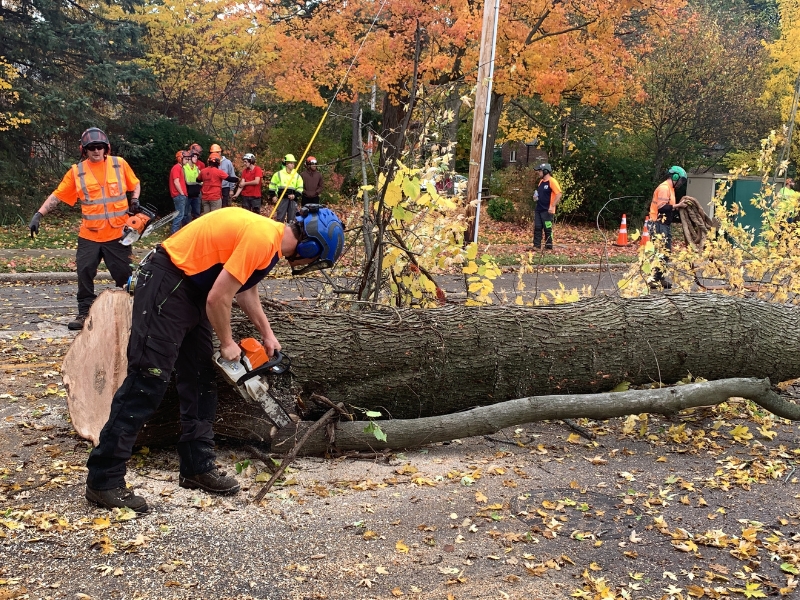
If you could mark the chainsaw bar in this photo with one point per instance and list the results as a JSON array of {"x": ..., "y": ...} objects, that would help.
[
  {"x": 253, "y": 385},
  {"x": 160, "y": 223}
]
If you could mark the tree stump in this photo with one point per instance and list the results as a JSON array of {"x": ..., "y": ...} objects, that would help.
[{"x": 96, "y": 363}]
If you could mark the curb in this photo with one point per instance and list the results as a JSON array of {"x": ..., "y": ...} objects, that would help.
[
  {"x": 49, "y": 276},
  {"x": 580, "y": 267}
]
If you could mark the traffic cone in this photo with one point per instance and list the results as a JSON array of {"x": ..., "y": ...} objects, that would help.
[
  {"x": 622, "y": 236},
  {"x": 645, "y": 233}
]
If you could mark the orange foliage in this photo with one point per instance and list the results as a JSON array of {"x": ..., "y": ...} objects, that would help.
[{"x": 546, "y": 49}]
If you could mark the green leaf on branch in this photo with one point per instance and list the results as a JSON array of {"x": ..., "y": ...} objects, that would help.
[{"x": 375, "y": 430}]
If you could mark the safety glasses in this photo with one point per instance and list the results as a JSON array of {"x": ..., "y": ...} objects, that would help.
[{"x": 317, "y": 265}]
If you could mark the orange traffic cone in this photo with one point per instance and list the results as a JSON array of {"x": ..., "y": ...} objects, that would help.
[
  {"x": 645, "y": 233},
  {"x": 622, "y": 236}
]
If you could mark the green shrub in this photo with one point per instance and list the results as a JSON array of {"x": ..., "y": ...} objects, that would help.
[
  {"x": 150, "y": 149},
  {"x": 573, "y": 194},
  {"x": 500, "y": 209},
  {"x": 607, "y": 172}
]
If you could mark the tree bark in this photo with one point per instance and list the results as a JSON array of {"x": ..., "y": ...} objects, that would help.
[
  {"x": 412, "y": 433},
  {"x": 355, "y": 142},
  {"x": 416, "y": 363},
  {"x": 394, "y": 111},
  {"x": 410, "y": 364}
]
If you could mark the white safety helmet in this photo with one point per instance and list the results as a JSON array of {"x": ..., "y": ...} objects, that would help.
[{"x": 249, "y": 157}]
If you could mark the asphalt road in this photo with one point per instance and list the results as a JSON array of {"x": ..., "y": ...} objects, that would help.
[{"x": 45, "y": 308}]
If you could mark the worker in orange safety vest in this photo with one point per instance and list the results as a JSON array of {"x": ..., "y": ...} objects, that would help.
[
  {"x": 100, "y": 181},
  {"x": 660, "y": 218}
]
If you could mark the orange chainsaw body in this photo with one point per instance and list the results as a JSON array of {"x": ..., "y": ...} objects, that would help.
[
  {"x": 137, "y": 222},
  {"x": 254, "y": 352}
]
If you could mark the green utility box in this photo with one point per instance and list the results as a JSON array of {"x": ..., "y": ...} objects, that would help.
[
  {"x": 742, "y": 192},
  {"x": 703, "y": 186}
]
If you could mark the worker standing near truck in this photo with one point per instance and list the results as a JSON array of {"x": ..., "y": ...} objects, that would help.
[{"x": 183, "y": 295}]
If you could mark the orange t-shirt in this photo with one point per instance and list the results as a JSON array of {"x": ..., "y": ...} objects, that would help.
[
  {"x": 67, "y": 191},
  {"x": 245, "y": 244},
  {"x": 664, "y": 194}
]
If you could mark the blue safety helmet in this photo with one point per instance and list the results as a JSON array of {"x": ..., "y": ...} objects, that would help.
[{"x": 322, "y": 238}]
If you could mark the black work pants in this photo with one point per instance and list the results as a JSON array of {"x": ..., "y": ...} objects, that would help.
[
  {"x": 226, "y": 197},
  {"x": 309, "y": 200},
  {"x": 661, "y": 228},
  {"x": 118, "y": 260},
  {"x": 170, "y": 329},
  {"x": 543, "y": 221}
]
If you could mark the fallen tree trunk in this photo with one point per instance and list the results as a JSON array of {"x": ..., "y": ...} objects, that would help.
[
  {"x": 418, "y": 363},
  {"x": 410, "y": 364},
  {"x": 411, "y": 433}
]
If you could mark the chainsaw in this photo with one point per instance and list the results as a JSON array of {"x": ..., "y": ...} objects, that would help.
[
  {"x": 141, "y": 224},
  {"x": 248, "y": 376}
]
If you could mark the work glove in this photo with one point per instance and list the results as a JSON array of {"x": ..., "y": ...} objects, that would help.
[
  {"x": 134, "y": 207},
  {"x": 34, "y": 225},
  {"x": 550, "y": 218}
]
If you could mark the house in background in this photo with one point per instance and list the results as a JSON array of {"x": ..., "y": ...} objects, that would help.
[{"x": 522, "y": 154}]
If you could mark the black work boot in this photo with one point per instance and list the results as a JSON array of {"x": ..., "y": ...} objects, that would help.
[
  {"x": 120, "y": 497},
  {"x": 214, "y": 481},
  {"x": 77, "y": 323}
]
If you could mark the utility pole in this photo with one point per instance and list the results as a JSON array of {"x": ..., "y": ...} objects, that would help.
[{"x": 480, "y": 118}]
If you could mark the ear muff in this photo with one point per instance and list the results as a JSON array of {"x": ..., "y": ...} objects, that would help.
[
  {"x": 675, "y": 177},
  {"x": 309, "y": 248}
]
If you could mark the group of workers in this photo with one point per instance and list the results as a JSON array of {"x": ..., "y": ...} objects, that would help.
[
  {"x": 193, "y": 185},
  {"x": 184, "y": 293},
  {"x": 659, "y": 220}
]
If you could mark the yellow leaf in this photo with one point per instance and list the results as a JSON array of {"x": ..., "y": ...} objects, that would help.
[
  {"x": 401, "y": 547},
  {"x": 480, "y": 497},
  {"x": 393, "y": 195},
  {"x": 470, "y": 268},
  {"x": 740, "y": 433},
  {"x": 767, "y": 432}
]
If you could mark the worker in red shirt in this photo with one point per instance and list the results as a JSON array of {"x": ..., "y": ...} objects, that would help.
[
  {"x": 212, "y": 177},
  {"x": 177, "y": 189},
  {"x": 250, "y": 185}
]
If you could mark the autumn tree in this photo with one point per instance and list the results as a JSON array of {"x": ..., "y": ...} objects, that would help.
[
  {"x": 72, "y": 68},
  {"x": 702, "y": 101},
  {"x": 578, "y": 47},
  {"x": 207, "y": 60}
]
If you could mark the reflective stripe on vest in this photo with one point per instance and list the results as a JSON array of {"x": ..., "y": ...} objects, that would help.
[
  {"x": 114, "y": 208},
  {"x": 291, "y": 180}
]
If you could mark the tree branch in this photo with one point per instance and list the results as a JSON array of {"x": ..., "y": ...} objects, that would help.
[{"x": 486, "y": 420}]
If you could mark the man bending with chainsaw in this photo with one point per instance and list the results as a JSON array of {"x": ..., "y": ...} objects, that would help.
[
  {"x": 183, "y": 293},
  {"x": 100, "y": 181}
]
